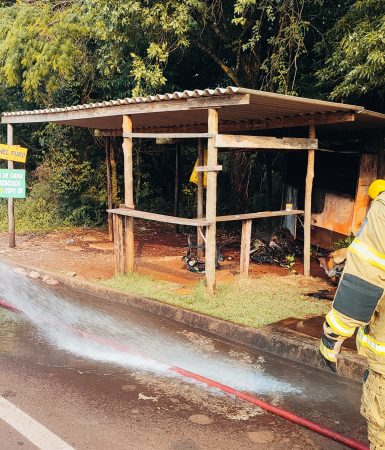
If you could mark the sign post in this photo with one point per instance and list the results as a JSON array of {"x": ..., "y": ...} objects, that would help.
[
  {"x": 12, "y": 181},
  {"x": 11, "y": 203}
]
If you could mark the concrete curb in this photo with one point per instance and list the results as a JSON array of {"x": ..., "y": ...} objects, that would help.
[{"x": 274, "y": 339}]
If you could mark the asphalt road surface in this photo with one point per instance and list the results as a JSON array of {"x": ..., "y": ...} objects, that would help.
[{"x": 59, "y": 391}]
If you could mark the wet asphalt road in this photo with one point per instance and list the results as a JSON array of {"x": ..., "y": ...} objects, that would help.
[{"x": 126, "y": 404}]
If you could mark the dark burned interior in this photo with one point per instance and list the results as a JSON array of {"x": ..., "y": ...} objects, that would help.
[
  {"x": 337, "y": 165},
  {"x": 334, "y": 172}
]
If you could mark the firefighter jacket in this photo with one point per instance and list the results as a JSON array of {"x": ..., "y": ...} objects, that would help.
[{"x": 360, "y": 298}]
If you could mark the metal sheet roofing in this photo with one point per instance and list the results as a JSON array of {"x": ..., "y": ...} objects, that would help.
[
  {"x": 187, "y": 109},
  {"x": 132, "y": 100}
]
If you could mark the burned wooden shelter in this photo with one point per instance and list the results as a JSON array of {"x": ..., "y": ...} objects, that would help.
[{"x": 233, "y": 120}]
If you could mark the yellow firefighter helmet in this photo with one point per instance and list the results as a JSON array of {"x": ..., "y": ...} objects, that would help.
[{"x": 376, "y": 188}]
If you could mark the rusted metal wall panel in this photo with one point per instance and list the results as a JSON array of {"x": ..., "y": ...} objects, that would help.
[
  {"x": 337, "y": 214},
  {"x": 343, "y": 214}
]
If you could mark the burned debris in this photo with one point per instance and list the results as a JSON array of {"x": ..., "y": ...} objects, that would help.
[{"x": 281, "y": 250}]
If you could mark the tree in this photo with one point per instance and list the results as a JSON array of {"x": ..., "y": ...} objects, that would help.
[
  {"x": 42, "y": 46},
  {"x": 81, "y": 50},
  {"x": 355, "y": 67},
  {"x": 256, "y": 43},
  {"x": 91, "y": 49}
]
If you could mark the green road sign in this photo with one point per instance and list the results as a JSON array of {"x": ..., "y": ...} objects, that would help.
[{"x": 12, "y": 183}]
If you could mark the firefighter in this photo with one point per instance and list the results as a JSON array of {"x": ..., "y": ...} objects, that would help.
[{"x": 360, "y": 303}]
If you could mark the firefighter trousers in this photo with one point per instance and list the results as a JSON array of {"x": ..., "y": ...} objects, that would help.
[{"x": 373, "y": 409}]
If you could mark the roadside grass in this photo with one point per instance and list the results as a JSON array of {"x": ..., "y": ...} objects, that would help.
[
  {"x": 29, "y": 218},
  {"x": 252, "y": 302}
]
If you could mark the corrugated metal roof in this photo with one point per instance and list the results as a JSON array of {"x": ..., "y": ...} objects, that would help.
[
  {"x": 132, "y": 100},
  {"x": 187, "y": 110}
]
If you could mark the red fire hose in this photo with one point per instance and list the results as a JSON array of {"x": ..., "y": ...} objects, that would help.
[
  {"x": 327, "y": 432},
  {"x": 352, "y": 443}
]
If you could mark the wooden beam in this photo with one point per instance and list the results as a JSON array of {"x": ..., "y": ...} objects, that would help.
[
  {"x": 128, "y": 194},
  {"x": 167, "y": 135},
  {"x": 200, "y": 199},
  {"x": 120, "y": 266},
  {"x": 245, "y": 247},
  {"x": 264, "y": 142},
  {"x": 11, "y": 201},
  {"x": 199, "y": 222},
  {"x": 297, "y": 121},
  {"x": 308, "y": 202},
  {"x": 211, "y": 204},
  {"x": 258, "y": 215},
  {"x": 159, "y": 217},
  {"x": 70, "y": 116}
]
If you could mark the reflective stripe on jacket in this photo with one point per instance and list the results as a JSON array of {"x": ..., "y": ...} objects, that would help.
[
  {"x": 367, "y": 253},
  {"x": 366, "y": 340}
]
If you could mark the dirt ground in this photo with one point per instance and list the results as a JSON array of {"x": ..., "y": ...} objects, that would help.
[{"x": 159, "y": 251}]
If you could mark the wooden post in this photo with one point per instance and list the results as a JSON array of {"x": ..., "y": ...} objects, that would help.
[
  {"x": 211, "y": 203},
  {"x": 128, "y": 195},
  {"x": 107, "y": 145},
  {"x": 11, "y": 203},
  {"x": 200, "y": 199},
  {"x": 128, "y": 164},
  {"x": 114, "y": 175},
  {"x": 176, "y": 186},
  {"x": 245, "y": 247},
  {"x": 308, "y": 195},
  {"x": 138, "y": 173},
  {"x": 269, "y": 180},
  {"x": 119, "y": 244}
]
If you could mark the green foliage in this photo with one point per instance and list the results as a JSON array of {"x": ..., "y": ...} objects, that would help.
[
  {"x": 345, "y": 242},
  {"x": 290, "y": 262},
  {"x": 89, "y": 46},
  {"x": 36, "y": 213},
  {"x": 67, "y": 186},
  {"x": 152, "y": 197},
  {"x": 356, "y": 65},
  {"x": 274, "y": 33},
  {"x": 113, "y": 48},
  {"x": 42, "y": 44}
]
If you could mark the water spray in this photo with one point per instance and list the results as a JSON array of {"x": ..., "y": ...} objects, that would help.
[{"x": 280, "y": 412}]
